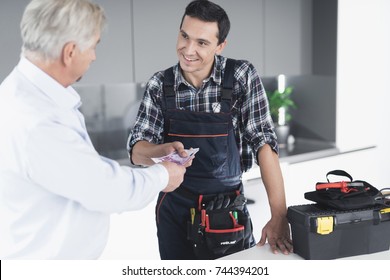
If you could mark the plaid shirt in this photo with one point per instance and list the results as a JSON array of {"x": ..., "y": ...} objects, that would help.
[{"x": 253, "y": 126}]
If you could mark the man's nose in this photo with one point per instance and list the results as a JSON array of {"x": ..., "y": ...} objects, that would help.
[{"x": 191, "y": 47}]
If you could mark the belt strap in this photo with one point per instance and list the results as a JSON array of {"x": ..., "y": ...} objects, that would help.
[{"x": 187, "y": 193}]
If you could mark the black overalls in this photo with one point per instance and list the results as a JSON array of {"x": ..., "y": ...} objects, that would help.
[{"x": 215, "y": 169}]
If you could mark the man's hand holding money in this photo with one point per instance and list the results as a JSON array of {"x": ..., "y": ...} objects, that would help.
[{"x": 178, "y": 158}]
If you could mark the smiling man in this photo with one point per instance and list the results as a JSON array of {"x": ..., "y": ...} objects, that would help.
[
  {"x": 220, "y": 106},
  {"x": 197, "y": 45}
]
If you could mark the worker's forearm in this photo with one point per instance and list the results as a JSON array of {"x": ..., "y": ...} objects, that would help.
[
  {"x": 142, "y": 153},
  {"x": 272, "y": 177}
]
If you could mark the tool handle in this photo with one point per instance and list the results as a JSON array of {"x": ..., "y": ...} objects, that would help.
[
  {"x": 335, "y": 185},
  {"x": 339, "y": 173},
  {"x": 203, "y": 217}
]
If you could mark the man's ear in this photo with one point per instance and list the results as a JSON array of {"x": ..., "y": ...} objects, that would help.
[
  {"x": 220, "y": 47},
  {"x": 68, "y": 53}
]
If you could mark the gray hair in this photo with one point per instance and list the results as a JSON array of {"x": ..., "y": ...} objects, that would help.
[{"x": 47, "y": 25}]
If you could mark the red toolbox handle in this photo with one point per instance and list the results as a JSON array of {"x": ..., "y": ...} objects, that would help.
[{"x": 344, "y": 187}]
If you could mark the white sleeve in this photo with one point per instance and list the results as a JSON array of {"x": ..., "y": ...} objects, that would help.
[{"x": 63, "y": 162}]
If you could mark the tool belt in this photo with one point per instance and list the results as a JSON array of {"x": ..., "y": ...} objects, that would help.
[
  {"x": 220, "y": 225},
  {"x": 347, "y": 195}
]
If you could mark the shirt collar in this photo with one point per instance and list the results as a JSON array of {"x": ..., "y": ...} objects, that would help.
[
  {"x": 216, "y": 73},
  {"x": 64, "y": 97}
]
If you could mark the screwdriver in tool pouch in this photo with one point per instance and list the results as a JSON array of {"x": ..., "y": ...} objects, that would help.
[
  {"x": 192, "y": 211},
  {"x": 344, "y": 187}
]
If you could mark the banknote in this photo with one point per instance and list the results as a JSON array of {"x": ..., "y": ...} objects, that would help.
[{"x": 176, "y": 158}]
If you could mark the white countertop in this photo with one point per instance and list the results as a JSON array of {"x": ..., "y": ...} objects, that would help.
[{"x": 264, "y": 253}]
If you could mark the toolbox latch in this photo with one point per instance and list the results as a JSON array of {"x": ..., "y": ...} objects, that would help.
[
  {"x": 385, "y": 210},
  {"x": 324, "y": 225}
]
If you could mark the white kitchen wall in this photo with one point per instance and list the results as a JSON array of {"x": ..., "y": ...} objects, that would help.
[{"x": 363, "y": 72}]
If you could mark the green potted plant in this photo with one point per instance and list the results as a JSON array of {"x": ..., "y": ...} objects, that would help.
[{"x": 279, "y": 104}]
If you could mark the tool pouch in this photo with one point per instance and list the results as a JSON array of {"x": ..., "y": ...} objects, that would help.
[
  {"x": 349, "y": 195},
  {"x": 220, "y": 226}
]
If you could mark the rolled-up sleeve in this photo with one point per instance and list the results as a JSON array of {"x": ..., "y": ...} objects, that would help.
[
  {"x": 149, "y": 124},
  {"x": 258, "y": 127}
]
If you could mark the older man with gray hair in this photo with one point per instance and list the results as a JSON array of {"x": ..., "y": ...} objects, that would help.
[{"x": 56, "y": 191}]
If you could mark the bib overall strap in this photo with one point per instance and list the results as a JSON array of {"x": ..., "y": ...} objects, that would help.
[
  {"x": 227, "y": 86},
  {"x": 169, "y": 101},
  {"x": 226, "y": 92}
]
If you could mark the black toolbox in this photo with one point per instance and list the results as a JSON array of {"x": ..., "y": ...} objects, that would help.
[{"x": 322, "y": 234}]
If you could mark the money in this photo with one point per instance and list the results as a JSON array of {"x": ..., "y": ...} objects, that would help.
[{"x": 176, "y": 158}]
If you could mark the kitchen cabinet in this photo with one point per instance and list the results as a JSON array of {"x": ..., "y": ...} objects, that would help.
[
  {"x": 155, "y": 33},
  {"x": 275, "y": 35},
  {"x": 156, "y": 26},
  {"x": 246, "y": 37},
  {"x": 287, "y": 37},
  {"x": 114, "y": 63}
]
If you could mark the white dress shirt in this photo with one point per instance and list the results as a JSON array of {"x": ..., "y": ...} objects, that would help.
[{"x": 56, "y": 192}]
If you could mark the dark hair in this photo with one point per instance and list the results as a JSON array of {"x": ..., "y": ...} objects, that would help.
[{"x": 209, "y": 12}]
